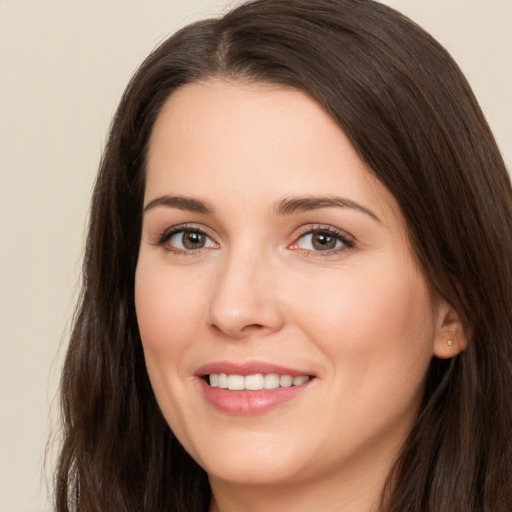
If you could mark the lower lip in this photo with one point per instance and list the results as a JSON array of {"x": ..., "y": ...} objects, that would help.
[{"x": 248, "y": 403}]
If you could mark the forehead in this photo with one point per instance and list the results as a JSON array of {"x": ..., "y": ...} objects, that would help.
[{"x": 218, "y": 135}]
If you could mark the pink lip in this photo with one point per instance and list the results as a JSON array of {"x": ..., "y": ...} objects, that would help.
[
  {"x": 247, "y": 403},
  {"x": 248, "y": 368}
]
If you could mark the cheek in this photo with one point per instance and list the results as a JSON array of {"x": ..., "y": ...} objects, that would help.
[
  {"x": 377, "y": 332},
  {"x": 378, "y": 320},
  {"x": 167, "y": 309},
  {"x": 168, "y": 312}
]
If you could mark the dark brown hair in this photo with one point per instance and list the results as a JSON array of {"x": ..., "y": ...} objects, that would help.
[{"x": 412, "y": 117}]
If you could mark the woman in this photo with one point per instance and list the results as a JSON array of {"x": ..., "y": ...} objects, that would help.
[{"x": 297, "y": 278}]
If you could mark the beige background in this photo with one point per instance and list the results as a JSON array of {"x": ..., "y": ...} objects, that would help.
[{"x": 63, "y": 66}]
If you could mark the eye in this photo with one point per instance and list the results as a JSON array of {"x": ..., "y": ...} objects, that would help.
[
  {"x": 326, "y": 240},
  {"x": 187, "y": 239}
]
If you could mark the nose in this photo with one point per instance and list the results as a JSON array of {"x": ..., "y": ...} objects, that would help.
[{"x": 244, "y": 300}]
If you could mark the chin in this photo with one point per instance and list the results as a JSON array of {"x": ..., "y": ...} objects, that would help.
[
  {"x": 252, "y": 473},
  {"x": 252, "y": 463}
]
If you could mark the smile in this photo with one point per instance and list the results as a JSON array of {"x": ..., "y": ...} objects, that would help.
[
  {"x": 254, "y": 382},
  {"x": 252, "y": 387}
]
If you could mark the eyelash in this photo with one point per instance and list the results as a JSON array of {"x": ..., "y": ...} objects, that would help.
[
  {"x": 346, "y": 240},
  {"x": 182, "y": 228}
]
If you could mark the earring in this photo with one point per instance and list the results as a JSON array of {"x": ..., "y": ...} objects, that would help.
[{"x": 450, "y": 343}]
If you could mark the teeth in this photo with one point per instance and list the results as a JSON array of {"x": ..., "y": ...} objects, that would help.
[
  {"x": 223, "y": 381},
  {"x": 297, "y": 381},
  {"x": 286, "y": 381},
  {"x": 271, "y": 381},
  {"x": 236, "y": 383},
  {"x": 254, "y": 382}
]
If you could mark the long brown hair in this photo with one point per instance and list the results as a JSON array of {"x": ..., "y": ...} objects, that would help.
[{"x": 411, "y": 115}]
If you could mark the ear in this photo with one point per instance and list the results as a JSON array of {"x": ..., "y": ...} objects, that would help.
[{"x": 450, "y": 338}]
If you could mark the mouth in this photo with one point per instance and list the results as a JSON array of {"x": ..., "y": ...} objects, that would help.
[
  {"x": 255, "y": 381},
  {"x": 252, "y": 388}
]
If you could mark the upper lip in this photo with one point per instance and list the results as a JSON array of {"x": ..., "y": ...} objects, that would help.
[{"x": 248, "y": 368}]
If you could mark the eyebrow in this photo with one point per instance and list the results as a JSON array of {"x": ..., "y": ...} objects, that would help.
[
  {"x": 288, "y": 206},
  {"x": 305, "y": 203},
  {"x": 181, "y": 203}
]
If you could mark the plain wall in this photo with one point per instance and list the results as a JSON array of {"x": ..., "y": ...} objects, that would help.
[{"x": 63, "y": 67}]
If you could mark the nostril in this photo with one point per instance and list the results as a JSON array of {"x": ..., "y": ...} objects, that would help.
[{"x": 252, "y": 327}]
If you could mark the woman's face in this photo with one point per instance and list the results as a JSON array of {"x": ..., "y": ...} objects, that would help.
[{"x": 270, "y": 257}]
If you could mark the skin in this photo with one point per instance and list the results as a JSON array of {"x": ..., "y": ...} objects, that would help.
[{"x": 360, "y": 318}]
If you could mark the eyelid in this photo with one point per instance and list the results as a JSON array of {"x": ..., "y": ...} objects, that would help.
[
  {"x": 166, "y": 234},
  {"x": 347, "y": 239}
]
